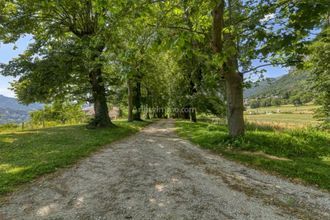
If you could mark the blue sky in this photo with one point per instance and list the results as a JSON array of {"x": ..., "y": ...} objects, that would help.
[{"x": 7, "y": 53}]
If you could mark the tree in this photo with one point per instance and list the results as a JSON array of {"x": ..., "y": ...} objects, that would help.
[
  {"x": 273, "y": 32},
  {"x": 255, "y": 104},
  {"x": 183, "y": 29},
  {"x": 66, "y": 58},
  {"x": 132, "y": 57},
  {"x": 276, "y": 102},
  {"x": 318, "y": 64}
]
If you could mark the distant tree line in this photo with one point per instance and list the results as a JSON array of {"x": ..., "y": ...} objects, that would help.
[{"x": 295, "y": 100}]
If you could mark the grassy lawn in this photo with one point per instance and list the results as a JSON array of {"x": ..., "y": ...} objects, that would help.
[
  {"x": 301, "y": 154},
  {"x": 28, "y": 154}
]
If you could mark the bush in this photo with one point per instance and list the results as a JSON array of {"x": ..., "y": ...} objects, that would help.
[
  {"x": 255, "y": 104},
  {"x": 8, "y": 126},
  {"x": 59, "y": 113}
]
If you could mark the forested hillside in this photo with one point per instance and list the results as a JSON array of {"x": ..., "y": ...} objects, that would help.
[
  {"x": 288, "y": 89},
  {"x": 259, "y": 88}
]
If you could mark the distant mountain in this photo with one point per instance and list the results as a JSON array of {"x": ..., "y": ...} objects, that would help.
[
  {"x": 259, "y": 87},
  {"x": 12, "y": 103},
  {"x": 293, "y": 84},
  {"x": 11, "y": 111}
]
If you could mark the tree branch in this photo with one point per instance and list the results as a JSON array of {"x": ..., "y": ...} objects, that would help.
[
  {"x": 263, "y": 65},
  {"x": 179, "y": 28},
  {"x": 262, "y": 13}
]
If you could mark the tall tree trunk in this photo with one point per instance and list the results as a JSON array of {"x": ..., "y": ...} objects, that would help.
[
  {"x": 193, "y": 117},
  {"x": 234, "y": 93},
  {"x": 101, "y": 118},
  {"x": 130, "y": 101},
  {"x": 185, "y": 112},
  {"x": 137, "y": 101},
  {"x": 192, "y": 62},
  {"x": 235, "y": 106},
  {"x": 148, "y": 104},
  {"x": 193, "y": 91},
  {"x": 234, "y": 80}
]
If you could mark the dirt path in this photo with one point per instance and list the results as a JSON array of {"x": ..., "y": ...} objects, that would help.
[{"x": 156, "y": 175}]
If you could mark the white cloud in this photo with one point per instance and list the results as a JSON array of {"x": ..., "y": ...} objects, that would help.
[
  {"x": 268, "y": 17},
  {"x": 7, "y": 92}
]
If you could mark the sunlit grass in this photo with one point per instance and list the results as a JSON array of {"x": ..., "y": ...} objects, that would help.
[
  {"x": 284, "y": 120},
  {"x": 29, "y": 154},
  {"x": 285, "y": 108},
  {"x": 299, "y": 154},
  {"x": 7, "y": 140},
  {"x": 286, "y": 116},
  {"x": 7, "y": 168}
]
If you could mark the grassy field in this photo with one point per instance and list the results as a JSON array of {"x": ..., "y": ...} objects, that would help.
[
  {"x": 28, "y": 154},
  {"x": 287, "y": 116},
  {"x": 283, "y": 120},
  {"x": 309, "y": 109},
  {"x": 300, "y": 154}
]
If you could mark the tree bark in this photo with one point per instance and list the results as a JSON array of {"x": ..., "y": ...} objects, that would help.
[
  {"x": 101, "y": 118},
  {"x": 130, "y": 101},
  {"x": 193, "y": 117},
  {"x": 148, "y": 115},
  {"x": 234, "y": 79},
  {"x": 137, "y": 101},
  {"x": 185, "y": 113},
  {"x": 148, "y": 103},
  {"x": 218, "y": 25},
  {"x": 235, "y": 106},
  {"x": 193, "y": 91}
]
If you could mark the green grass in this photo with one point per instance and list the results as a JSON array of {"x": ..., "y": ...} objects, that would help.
[
  {"x": 30, "y": 154},
  {"x": 300, "y": 154}
]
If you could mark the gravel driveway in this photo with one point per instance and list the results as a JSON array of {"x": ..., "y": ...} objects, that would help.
[{"x": 156, "y": 175}]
